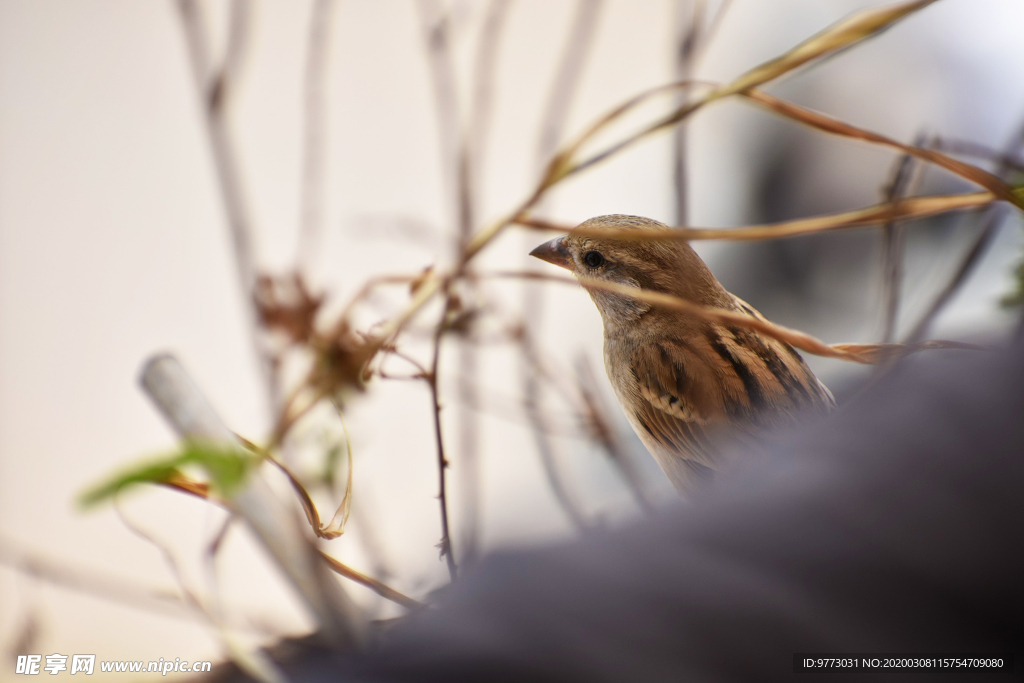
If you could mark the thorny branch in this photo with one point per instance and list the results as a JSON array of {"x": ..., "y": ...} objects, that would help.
[{"x": 442, "y": 459}]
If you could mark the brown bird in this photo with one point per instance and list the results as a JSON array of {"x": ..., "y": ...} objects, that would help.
[{"x": 684, "y": 382}]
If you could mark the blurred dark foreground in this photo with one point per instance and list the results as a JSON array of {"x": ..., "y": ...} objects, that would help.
[{"x": 894, "y": 526}]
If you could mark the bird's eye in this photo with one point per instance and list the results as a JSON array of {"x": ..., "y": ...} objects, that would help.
[{"x": 593, "y": 259}]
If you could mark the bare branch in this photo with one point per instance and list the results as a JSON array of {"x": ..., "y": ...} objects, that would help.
[
  {"x": 314, "y": 131},
  {"x": 214, "y": 89},
  {"x": 563, "y": 91},
  {"x": 549, "y": 459},
  {"x": 899, "y": 186},
  {"x": 436, "y": 27},
  {"x": 990, "y": 222},
  {"x": 602, "y": 430},
  {"x": 120, "y": 590},
  {"x": 688, "y": 30},
  {"x": 442, "y": 459}
]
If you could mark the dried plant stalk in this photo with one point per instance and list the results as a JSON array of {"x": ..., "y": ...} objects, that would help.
[
  {"x": 867, "y": 354},
  {"x": 903, "y": 209}
]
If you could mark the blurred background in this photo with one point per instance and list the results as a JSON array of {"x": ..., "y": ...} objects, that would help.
[{"x": 339, "y": 124}]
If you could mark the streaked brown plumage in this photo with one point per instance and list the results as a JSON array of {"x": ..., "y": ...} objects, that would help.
[{"x": 683, "y": 381}]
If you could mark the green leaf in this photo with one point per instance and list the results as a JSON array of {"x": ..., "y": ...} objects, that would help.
[
  {"x": 145, "y": 473},
  {"x": 226, "y": 469}
]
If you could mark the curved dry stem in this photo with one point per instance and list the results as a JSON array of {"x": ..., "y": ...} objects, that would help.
[
  {"x": 904, "y": 209},
  {"x": 828, "y": 124},
  {"x": 839, "y": 36},
  {"x": 378, "y": 587},
  {"x": 867, "y": 354}
]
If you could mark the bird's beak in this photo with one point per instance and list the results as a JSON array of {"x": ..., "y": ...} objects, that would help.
[{"x": 554, "y": 252}]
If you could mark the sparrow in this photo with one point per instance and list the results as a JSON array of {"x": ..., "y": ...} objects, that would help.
[{"x": 686, "y": 384}]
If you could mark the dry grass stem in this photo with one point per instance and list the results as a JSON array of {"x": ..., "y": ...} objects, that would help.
[
  {"x": 903, "y": 209},
  {"x": 381, "y": 589},
  {"x": 867, "y": 354}
]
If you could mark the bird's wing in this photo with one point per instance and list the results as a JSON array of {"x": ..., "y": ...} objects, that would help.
[
  {"x": 677, "y": 406},
  {"x": 729, "y": 378}
]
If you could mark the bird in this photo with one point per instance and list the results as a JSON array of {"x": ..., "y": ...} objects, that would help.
[{"x": 686, "y": 384}]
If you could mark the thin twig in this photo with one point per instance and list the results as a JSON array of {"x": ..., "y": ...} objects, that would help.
[
  {"x": 567, "y": 77},
  {"x": 991, "y": 219},
  {"x": 546, "y": 447},
  {"x": 188, "y": 596},
  {"x": 602, "y": 431},
  {"x": 709, "y": 33},
  {"x": 969, "y": 148},
  {"x": 470, "y": 171},
  {"x": 436, "y": 26},
  {"x": 442, "y": 460},
  {"x": 214, "y": 88},
  {"x": 556, "y": 112},
  {"x": 693, "y": 40},
  {"x": 373, "y": 584},
  {"x": 121, "y": 590},
  {"x": 688, "y": 30},
  {"x": 898, "y": 187},
  {"x": 314, "y": 132}
]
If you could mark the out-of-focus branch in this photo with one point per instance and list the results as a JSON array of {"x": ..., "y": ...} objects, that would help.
[
  {"x": 603, "y": 431},
  {"x": 470, "y": 172},
  {"x": 214, "y": 88},
  {"x": 436, "y": 27},
  {"x": 898, "y": 187},
  {"x": 990, "y": 222},
  {"x": 549, "y": 459},
  {"x": 314, "y": 133},
  {"x": 121, "y": 590},
  {"x": 689, "y": 20},
  {"x": 567, "y": 77},
  {"x": 462, "y": 150},
  {"x": 991, "y": 219},
  {"x": 556, "y": 112},
  {"x": 276, "y": 526},
  {"x": 473, "y": 149},
  {"x": 692, "y": 39}
]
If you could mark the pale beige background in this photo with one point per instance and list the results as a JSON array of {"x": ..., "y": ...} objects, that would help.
[{"x": 113, "y": 246}]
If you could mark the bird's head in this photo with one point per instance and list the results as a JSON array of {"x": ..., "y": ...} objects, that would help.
[{"x": 668, "y": 266}]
